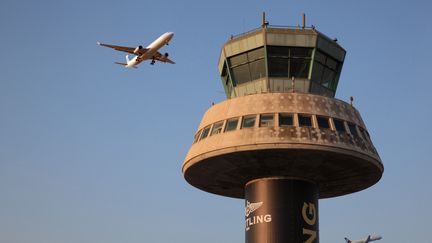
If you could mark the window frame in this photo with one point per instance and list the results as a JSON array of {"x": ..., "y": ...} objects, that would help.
[
  {"x": 247, "y": 61},
  {"x": 300, "y": 116},
  {"x": 227, "y": 127},
  {"x": 351, "y": 127},
  {"x": 322, "y": 118},
  {"x": 282, "y": 61},
  {"x": 287, "y": 115},
  {"x": 197, "y": 136},
  {"x": 336, "y": 126},
  {"x": 220, "y": 128},
  {"x": 244, "y": 118},
  {"x": 267, "y": 124},
  {"x": 207, "y": 128}
]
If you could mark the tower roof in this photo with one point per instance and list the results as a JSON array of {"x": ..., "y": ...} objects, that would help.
[{"x": 281, "y": 59}]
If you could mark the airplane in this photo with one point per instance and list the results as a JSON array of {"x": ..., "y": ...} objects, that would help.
[
  {"x": 151, "y": 52},
  {"x": 368, "y": 239}
]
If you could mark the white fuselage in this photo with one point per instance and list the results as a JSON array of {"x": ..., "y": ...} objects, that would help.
[
  {"x": 152, "y": 49},
  {"x": 373, "y": 238}
]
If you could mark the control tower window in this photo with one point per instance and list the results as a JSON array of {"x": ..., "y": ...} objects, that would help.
[
  {"x": 305, "y": 120},
  {"x": 217, "y": 128},
  {"x": 196, "y": 137},
  {"x": 248, "y": 66},
  {"x": 266, "y": 120},
  {"x": 353, "y": 129},
  {"x": 365, "y": 134},
  {"x": 339, "y": 125},
  {"x": 323, "y": 122},
  {"x": 325, "y": 70},
  {"x": 299, "y": 68},
  {"x": 226, "y": 80},
  {"x": 231, "y": 124},
  {"x": 248, "y": 121},
  {"x": 205, "y": 133},
  {"x": 289, "y": 61},
  {"x": 286, "y": 120}
]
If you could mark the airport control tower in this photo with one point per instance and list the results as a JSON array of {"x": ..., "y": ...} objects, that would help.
[{"x": 281, "y": 140}]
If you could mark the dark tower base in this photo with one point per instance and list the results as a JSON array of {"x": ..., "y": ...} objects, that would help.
[{"x": 281, "y": 210}]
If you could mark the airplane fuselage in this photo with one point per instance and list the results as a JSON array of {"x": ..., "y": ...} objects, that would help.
[
  {"x": 152, "y": 49},
  {"x": 367, "y": 240}
]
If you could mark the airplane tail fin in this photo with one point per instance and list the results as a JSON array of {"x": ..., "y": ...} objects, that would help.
[
  {"x": 368, "y": 239},
  {"x": 347, "y": 240}
]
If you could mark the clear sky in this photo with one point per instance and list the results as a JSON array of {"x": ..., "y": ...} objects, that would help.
[{"x": 91, "y": 152}]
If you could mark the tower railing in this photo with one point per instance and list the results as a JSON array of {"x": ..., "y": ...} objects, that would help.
[{"x": 298, "y": 27}]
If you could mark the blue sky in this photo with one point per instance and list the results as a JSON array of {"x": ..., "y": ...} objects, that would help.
[{"x": 92, "y": 152}]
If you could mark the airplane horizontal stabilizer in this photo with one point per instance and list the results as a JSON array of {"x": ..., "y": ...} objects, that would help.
[{"x": 123, "y": 64}]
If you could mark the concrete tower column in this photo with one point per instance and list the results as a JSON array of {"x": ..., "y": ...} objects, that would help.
[{"x": 279, "y": 209}]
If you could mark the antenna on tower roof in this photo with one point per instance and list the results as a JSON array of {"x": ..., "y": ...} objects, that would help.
[
  {"x": 264, "y": 23},
  {"x": 303, "y": 21}
]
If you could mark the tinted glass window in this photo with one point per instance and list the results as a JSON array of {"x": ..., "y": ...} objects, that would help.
[
  {"x": 328, "y": 77},
  {"x": 226, "y": 80},
  {"x": 278, "y": 51},
  {"x": 289, "y": 61},
  {"x": 241, "y": 73},
  {"x": 300, "y": 52},
  {"x": 323, "y": 122},
  {"x": 256, "y": 54},
  {"x": 299, "y": 68},
  {"x": 364, "y": 133},
  {"x": 317, "y": 72},
  {"x": 257, "y": 69},
  {"x": 197, "y": 135},
  {"x": 248, "y": 121},
  {"x": 217, "y": 128},
  {"x": 267, "y": 120},
  {"x": 320, "y": 57},
  {"x": 278, "y": 67},
  {"x": 224, "y": 74},
  {"x": 325, "y": 71},
  {"x": 316, "y": 88},
  {"x": 367, "y": 134},
  {"x": 231, "y": 124},
  {"x": 352, "y": 129},
  {"x": 305, "y": 120},
  {"x": 205, "y": 133},
  {"x": 247, "y": 66},
  {"x": 331, "y": 63},
  {"x": 237, "y": 60},
  {"x": 286, "y": 120},
  {"x": 339, "y": 125}
]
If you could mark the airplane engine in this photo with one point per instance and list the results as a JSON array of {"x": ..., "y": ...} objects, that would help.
[
  {"x": 136, "y": 51},
  {"x": 166, "y": 54}
]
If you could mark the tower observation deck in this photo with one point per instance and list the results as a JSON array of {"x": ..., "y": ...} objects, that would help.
[{"x": 281, "y": 140}]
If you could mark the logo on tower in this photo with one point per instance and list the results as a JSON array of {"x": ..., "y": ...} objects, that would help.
[
  {"x": 250, "y": 207},
  {"x": 257, "y": 219}
]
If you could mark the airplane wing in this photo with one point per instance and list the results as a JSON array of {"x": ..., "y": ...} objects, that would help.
[
  {"x": 124, "y": 48},
  {"x": 163, "y": 58}
]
